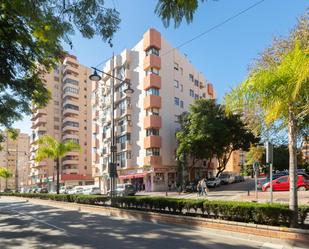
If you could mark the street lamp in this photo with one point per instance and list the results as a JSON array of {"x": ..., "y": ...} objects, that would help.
[{"x": 113, "y": 148}]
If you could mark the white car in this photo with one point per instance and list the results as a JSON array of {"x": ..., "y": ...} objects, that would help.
[
  {"x": 65, "y": 189},
  {"x": 76, "y": 190},
  {"x": 91, "y": 190},
  {"x": 213, "y": 182}
]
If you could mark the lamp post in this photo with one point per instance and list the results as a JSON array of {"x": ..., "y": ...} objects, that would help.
[{"x": 113, "y": 148}]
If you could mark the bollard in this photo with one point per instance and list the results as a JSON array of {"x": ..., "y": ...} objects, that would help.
[{"x": 248, "y": 192}]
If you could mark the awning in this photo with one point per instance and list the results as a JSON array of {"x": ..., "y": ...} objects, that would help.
[{"x": 131, "y": 176}]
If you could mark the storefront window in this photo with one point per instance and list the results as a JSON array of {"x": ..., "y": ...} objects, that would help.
[{"x": 159, "y": 178}]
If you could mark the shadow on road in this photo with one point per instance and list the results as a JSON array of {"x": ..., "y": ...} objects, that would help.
[{"x": 34, "y": 226}]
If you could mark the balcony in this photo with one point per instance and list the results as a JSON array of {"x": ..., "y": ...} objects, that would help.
[
  {"x": 119, "y": 130},
  {"x": 152, "y": 80},
  {"x": 40, "y": 129},
  {"x": 72, "y": 153},
  {"x": 70, "y": 171},
  {"x": 124, "y": 146},
  {"x": 70, "y": 162},
  {"x": 152, "y": 61},
  {"x": 40, "y": 120},
  {"x": 38, "y": 113},
  {"x": 152, "y": 142},
  {"x": 151, "y": 101},
  {"x": 153, "y": 161},
  {"x": 152, "y": 121},
  {"x": 120, "y": 113},
  {"x": 128, "y": 163},
  {"x": 70, "y": 76},
  {"x": 72, "y": 119},
  {"x": 71, "y": 67},
  {"x": 70, "y": 94},
  {"x": 70, "y": 85},
  {"x": 69, "y": 128},
  {"x": 70, "y": 111},
  {"x": 70, "y": 136},
  {"x": 152, "y": 38}
]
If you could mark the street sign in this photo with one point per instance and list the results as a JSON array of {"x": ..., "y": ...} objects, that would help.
[{"x": 269, "y": 152}]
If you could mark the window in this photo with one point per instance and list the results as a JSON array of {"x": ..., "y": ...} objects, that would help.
[
  {"x": 152, "y": 70},
  {"x": 152, "y": 132},
  {"x": 70, "y": 81},
  {"x": 122, "y": 140},
  {"x": 56, "y": 102},
  {"x": 176, "y": 66},
  {"x": 71, "y": 90},
  {"x": 153, "y": 152},
  {"x": 181, "y": 87},
  {"x": 73, "y": 107},
  {"x": 176, "y": 83},
  {"x": 181, "y": 104},
  {"x": 196, "y": 96},
  {"x": 283, "y": 179},
  {"x": 152, "y": 91},
  {"x": 196, "y": 82},
  {"x": 153, "y": 51},
  {"x": 56, "y": 119},
  {"x": 152, "y": 111},
  {"x": 70, "y": 123},
  {"x": 176, "y": 101},
  {"x": 181, "y": 70},
  {"x": 191, "y": 77},
  {"x": 191, "y": 93},
  {"x": 56, "y": 127},
  {"x": 204, "y": 95}
]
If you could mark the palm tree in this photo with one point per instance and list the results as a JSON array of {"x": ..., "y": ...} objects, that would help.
[
  {"x": 51, "y": 148},
  {"x": 6, "y": 174}
]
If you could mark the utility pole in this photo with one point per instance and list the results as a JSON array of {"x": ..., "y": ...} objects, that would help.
[{"x": 269, "y": 162}]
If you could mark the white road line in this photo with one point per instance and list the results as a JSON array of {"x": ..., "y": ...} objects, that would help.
[{"x": 271, "y": 246}]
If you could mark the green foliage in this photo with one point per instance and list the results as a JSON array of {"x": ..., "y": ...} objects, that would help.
[
  {"x": 176, "y": 10},
  {"x": 31, "y": 34},
  {"x": 207, "y": 131},
  {"x": 51, "y": 148},
  {"x": 5, "y": 173}
]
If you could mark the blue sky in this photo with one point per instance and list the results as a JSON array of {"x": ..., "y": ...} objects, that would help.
[{"x": 223, "y": 55}]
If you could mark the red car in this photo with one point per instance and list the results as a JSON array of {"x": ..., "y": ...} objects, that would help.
[{"x": 283, "y": 184}]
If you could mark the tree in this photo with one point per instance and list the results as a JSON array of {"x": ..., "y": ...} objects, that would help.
[
  {"x": 279, "y": 83},
  {"x": 31, "y": 33},
  {"x": 207, "y": 132},
  {"x": 51, "y": 148},
  {"x": 6, "y": 174}
]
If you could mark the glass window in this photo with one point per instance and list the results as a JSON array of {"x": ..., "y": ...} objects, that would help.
[
  {"x": 181, "y": 70},
  {"x": 71, "y": 90},
  {"x": 69, "y": 106},
  {"x": 181, "y": 87},
  {"x": 153, "y": 51},
  {"x": 176, "y": 66},
  {"x": 152, "y": 111},
  {"x": 181, "y": 104},
  {"x": 152, "y": 91},
  {"x": 204, "y": 95},
  {"x": 191, "y": 93},
  {"x": 70, "y": 123},
  {"x": 152, "y": 132},
  {"x": 176, "y": 101},
  {"x": 283, "y": 179},
  {"x": 196, "y": 82},
  {"x": 176, "y": 83},
  {"x": 70, "y": 81},
  {"x": 152, "y": 70},
  {"x": 153, "y": 152},
  {"x": 191, "y": 77}
]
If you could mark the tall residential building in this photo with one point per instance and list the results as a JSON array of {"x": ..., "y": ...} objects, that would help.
[
  {"x": 66, "y": 117},
  {"x": 14, "y": 156},
  {"x": 165, "y": 83}
]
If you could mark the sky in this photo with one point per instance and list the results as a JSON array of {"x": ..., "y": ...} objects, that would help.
[{"x": 222, "y": 55}]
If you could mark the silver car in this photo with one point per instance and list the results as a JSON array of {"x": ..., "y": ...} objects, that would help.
[
  {"x": 213, "y": 182},
  {"x": 124, "y": 189}
]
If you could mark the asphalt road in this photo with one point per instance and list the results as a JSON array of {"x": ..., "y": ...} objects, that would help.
[{"x": 27, "y": 225}]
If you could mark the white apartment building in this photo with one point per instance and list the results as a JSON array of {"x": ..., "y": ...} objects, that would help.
[
  {"x": 165, "y": 83},
  {"x": 67, "y": 116}
]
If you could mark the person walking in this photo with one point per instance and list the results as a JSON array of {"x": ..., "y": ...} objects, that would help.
[
  {"x": 199, "y": 188},
  {"x": 203, "y": 186}
]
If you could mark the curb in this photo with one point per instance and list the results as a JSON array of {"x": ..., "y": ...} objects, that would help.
[{"x": 291, "y": 236}]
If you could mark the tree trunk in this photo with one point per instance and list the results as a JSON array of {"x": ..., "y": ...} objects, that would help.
[
  {"x": 293, "y": 205},
  {"x": 6, "y": 183},
  {"x": 58, "y": 174}
]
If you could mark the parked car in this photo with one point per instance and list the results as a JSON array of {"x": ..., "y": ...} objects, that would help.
[
  {"x": 191, "y": 187},
  {"x": 262, "y": 181},
  {"x": 124, "y": 189},
  {"x": 43, "y": 191},
  {"x": 65, "y": 189},
  {"x": 91, "y": 190},
  {"x": 76, "y": 190},
  {"x": 226, "y": 178},
  {"x": 283, "y": 184},
  {"x": 213, "y": 182}
]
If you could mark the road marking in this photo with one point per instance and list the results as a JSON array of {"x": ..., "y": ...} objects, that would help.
[{"x": 271, "y": 246}]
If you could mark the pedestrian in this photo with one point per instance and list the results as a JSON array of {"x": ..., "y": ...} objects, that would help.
[
  {"x": 203, "y": 186},
  {"x": 199, "y": 188}
]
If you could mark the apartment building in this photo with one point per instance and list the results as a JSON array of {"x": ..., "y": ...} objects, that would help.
[
  {"x": 66, "y": 117},
  {"x": 14, "y": 156},
  {"x": 165, "y": 83}
]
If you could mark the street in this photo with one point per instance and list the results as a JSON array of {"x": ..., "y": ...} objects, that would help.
[{"x": 27, "y": 225}]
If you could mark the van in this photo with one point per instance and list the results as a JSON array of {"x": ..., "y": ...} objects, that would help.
[{"x": 91, "y": 190}]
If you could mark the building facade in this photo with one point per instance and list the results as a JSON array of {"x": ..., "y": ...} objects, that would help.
[
  {"x": 67, "y": 116},
  {"x": 14, "y": 156},
  {"x": 165, "y": 83},
  {"x": 305, "y": 150}
]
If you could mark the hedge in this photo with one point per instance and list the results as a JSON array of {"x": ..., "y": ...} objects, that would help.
[{"x": 258, "y": 213}]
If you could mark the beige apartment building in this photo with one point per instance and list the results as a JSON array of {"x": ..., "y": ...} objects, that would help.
[
  {"x": 66, "y": 117},
  {"x": 165, "y": 83},
  {"x": 14, "y": 156}
]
